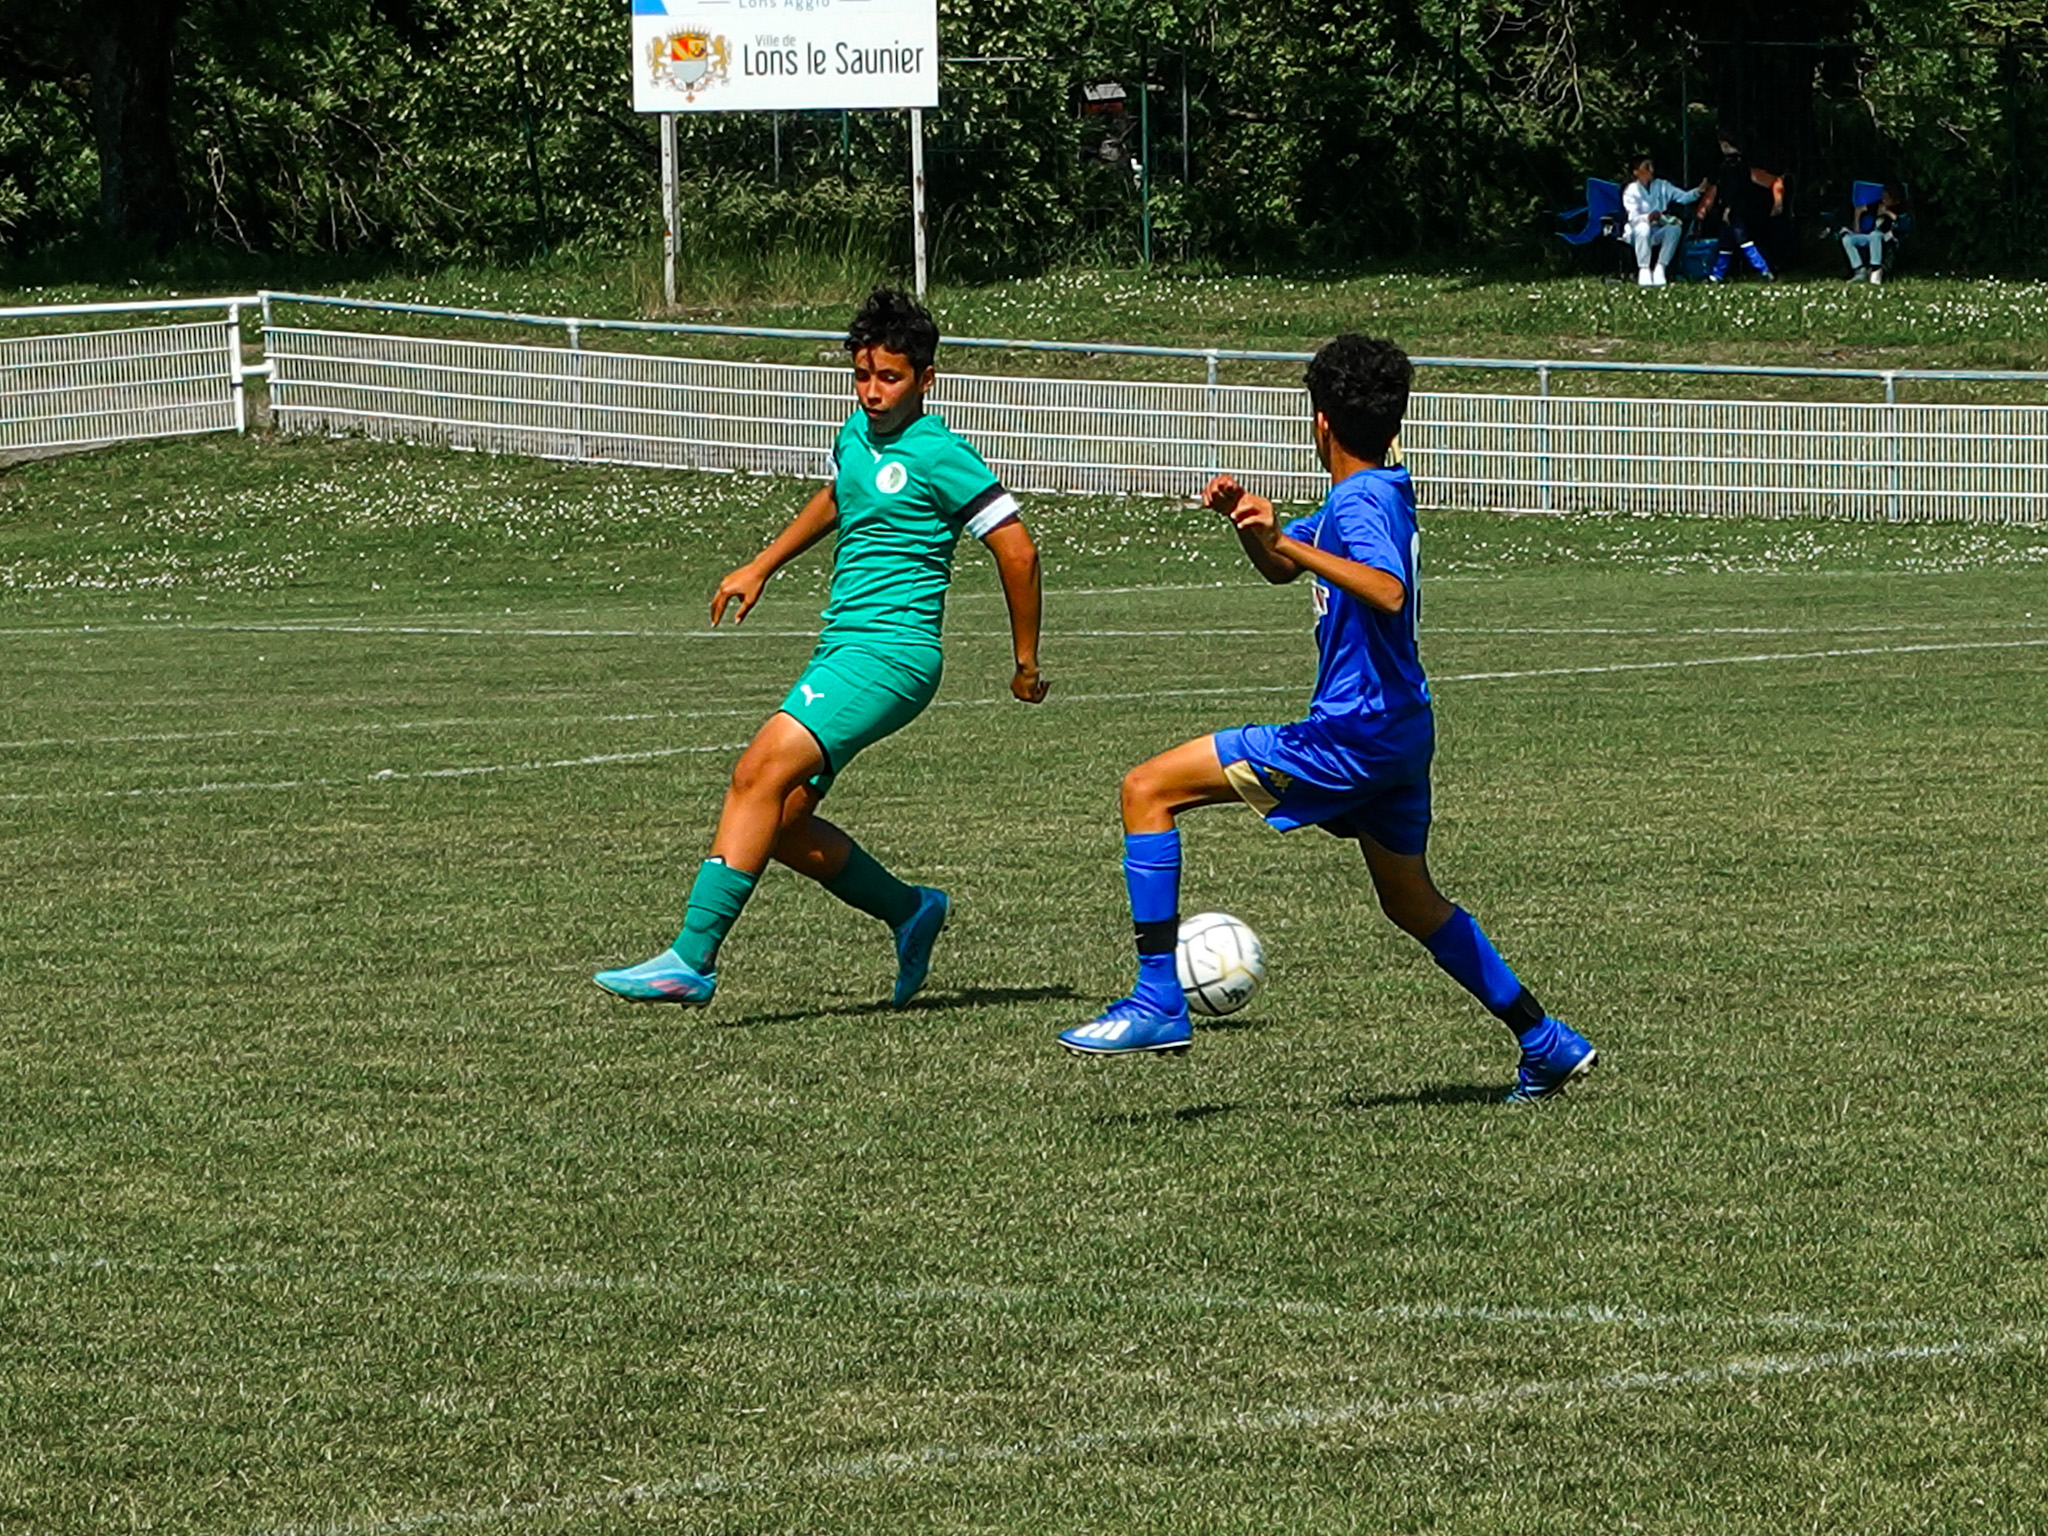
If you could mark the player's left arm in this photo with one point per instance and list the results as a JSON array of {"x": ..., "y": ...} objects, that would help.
[
  {"x": 1368, "y": 583},
  {"x": 1372, "y": 586},
  {"x": 962, "y": 479},
  {"x": 1016, "y": 558}
]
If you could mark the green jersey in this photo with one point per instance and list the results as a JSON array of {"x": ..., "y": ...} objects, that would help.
[{"x": 904, "y": 500}]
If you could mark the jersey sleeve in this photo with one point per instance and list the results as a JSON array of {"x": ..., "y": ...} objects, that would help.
[
  {"x": 1304, "y": 528},
  {"x": 967, "y": 490},
  {"x": 1369, "y": 535}
]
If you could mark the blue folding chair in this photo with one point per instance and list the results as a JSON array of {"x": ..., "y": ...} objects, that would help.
[
  {"x": 1865, "y": 194},
  {"x": 1602, "y": 210}
]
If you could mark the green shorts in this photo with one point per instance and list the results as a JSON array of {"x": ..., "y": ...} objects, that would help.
[{"x": 851, "y": 696}]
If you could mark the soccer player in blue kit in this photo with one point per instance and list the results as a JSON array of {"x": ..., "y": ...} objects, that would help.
[{"x": 1358, "y": 766}]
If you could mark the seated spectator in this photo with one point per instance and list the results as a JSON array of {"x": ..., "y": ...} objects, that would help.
[
  {"x": 1652, "y": 228},
  {"x": 1746, "y": 197},
  {"x": 1871, "y": 231}
]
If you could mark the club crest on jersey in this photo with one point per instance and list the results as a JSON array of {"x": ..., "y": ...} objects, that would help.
[
  {"x": 891, "y": 478},
  {"x": 1319, "y": 597}
]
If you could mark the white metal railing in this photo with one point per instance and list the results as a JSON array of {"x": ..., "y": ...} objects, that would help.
[
  {"x": 1531, "y": 451},
  {"x": 87, "y": 387},
  {"x": 630, "y": 399}
]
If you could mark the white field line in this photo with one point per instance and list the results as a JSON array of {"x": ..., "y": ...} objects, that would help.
[
  {"x": 381, "y": 776},
  {"x": 382, "y": 727},
  {"x": 1436, "y": 579},
  {"x": 613, "y": 1494},
  {"x": 1232, "y": 691},
  {"x": 730, "y": 632},
  {"x": 1436, "y": 679},
  {"x": 1731, "y": 661},
  {"x": 985, "y": 1298},
  {"x": 639, "y": 717}
]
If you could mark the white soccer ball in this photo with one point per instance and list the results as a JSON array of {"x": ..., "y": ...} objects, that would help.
[{"x": 1220, "y": 963}]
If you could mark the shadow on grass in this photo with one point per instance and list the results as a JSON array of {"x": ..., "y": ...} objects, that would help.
[
  {"x": 1187, "y": 1114},
  {"x": 928, "y": 1002},
  {"x": 1440, "y": 1096}
]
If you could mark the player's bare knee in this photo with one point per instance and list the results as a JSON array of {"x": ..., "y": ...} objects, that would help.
[
  {"x": 1407, "y": 895},
  {"x": 757, "y": 777},
  {"x": 1412, "y": 916},
  {"x": 1142, "y": 790}
]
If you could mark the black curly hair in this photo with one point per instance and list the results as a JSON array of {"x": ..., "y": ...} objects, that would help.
[
  {"x": 892, "y": 319},
  {"x": 1360, "y": 385}
]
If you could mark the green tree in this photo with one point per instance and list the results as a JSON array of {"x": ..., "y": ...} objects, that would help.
[
  {"x": 118, "y": 56},
  {"x": 1281, "y": 131}
]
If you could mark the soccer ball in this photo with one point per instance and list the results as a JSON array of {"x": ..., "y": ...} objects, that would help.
[{"x": 1220, "y": 963}]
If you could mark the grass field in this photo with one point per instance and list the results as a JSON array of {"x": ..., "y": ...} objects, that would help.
[{"x": 339, "y": 1200}]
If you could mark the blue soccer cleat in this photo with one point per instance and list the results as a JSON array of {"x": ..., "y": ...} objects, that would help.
[
  {"x": 1554, "y": 1056},
  {"x": 914, "y": 943},
  {"x": 664, "y": 979},
  {"x": 1132, "y": 1027}
]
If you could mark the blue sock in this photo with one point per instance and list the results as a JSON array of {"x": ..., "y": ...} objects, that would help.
[
  {"x": 1152, "y": 872},
  {"x": 1469, "y": 958}
]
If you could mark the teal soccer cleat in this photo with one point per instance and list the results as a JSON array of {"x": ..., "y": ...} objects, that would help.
[
  {"x": 914, "y": 943},
  {"x": 1554, "y": 1056},
  {"x": 1130, "y": 1028},
  {"x": 664, "y": 979}
]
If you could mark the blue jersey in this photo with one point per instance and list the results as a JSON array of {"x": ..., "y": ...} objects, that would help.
[{"x": 1370, "y": 674}]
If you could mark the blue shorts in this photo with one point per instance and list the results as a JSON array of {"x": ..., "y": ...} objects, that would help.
[{"x": 1311, "y": 774}]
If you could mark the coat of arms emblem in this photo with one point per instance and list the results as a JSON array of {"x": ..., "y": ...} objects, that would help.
[{"x": 687, "y": 61}]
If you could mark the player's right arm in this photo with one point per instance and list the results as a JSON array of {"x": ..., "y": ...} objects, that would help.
[
  {"x": 1250, "y": 515},
  {"x": 818, "y": 518}
]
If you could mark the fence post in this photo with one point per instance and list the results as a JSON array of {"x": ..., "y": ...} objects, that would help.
[
  {"x": 576, "y": 390},
  {"x": 235, "y": 381},
  {"x": 270, "y": 390},
  {"x": 1543, "y": 435},
  {"x": 1215, "y": 403},
  {"x": 1891, "y": 432}
]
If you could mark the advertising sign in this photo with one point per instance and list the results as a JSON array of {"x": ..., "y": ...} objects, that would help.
[{"x": 784, "y": 55}]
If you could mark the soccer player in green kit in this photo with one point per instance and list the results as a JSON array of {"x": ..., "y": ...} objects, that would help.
[{"x": 905, "y": 490}]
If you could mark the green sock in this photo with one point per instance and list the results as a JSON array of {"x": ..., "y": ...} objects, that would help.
[
  {"x": 715, "y": 901},
  {"x": 867, "y": 887}
]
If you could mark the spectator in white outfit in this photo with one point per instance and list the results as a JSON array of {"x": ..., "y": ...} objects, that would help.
[{"x": 1652, "y": 228}]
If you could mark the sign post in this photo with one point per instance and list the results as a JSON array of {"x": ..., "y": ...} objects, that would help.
[
  {"x": 759, "y": 56},
  {"x": 670, "y": 198},
  {"x": 917, "y": 195}
]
